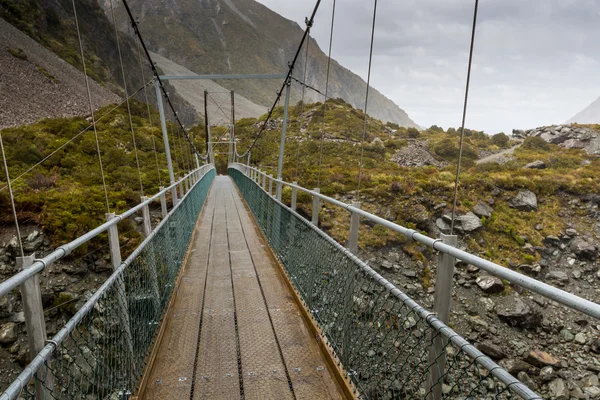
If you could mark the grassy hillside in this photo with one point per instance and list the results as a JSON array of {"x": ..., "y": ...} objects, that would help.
[
  {"x": 409, "y": 196},
  {"x": 64, "y": 194}
]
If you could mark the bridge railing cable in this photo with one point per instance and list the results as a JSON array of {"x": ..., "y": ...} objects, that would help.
[{"x": 385, "y": 341}]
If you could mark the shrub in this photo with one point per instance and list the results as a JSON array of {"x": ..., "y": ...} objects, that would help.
[
  {"x": 500, "y": 139},
  {"x": 413, "y": 133},
  {"x": 535, "y": 143}
]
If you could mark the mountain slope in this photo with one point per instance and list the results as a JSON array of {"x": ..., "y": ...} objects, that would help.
[
  {"x": 51, "y": 23},
  {"x": 243, "y": 36},
  {"x": 589, "y": 115},
  {"x": 218, "y": 104},
  {"x": 42, "y": 85}
]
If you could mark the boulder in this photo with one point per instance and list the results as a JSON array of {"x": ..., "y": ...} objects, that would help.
[
  {"x": 515, "y": 312},
  {"x": 491, "y": 350},
  {"x": 583, "y": 249},
  {"x": 8, "y": 334},
  {"x": 557, "y": 275},
  {"x": 481, "y": 209},
  {"x": 558, "y": 390},
  {"x": 541, "y": 359},
  {"x": 538, "y": 164},
  {"x": 469, "y": 222},
  {"x": 525, "y": 200},
  {"x": 490, "y": 284}
]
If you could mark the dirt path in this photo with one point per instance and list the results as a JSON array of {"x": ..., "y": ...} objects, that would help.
[{"x": 500, "y": 158}]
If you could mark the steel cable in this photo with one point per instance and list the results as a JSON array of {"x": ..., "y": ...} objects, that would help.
[
  {"x": 464, "y": 116},
  {"x": 87, "y": 85},
  {"x": 137, "y": 159},
  {"x": 325, "y": 95},
  {"x": 362, "y": 145}
]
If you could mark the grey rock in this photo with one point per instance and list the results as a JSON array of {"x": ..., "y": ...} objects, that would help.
[
  {"x": 583, "y": 250},
  {"x": 571, "y": 232},
  {"x": 589, "y": 381},
  {"x": 7, "y": 333},
  {"x": 538, "y": 164},
  {"x": 526, "y": 379},
  {"x": 491, "y": 350},
  {"x": 442, "y": 225},
  {"x": 592, "y": 391},
  {"x": 525, "y": 200},
  {"x": 469, "y": 222},
  {"x": 547, "y": 374},
  {"x": 580, "y": 338},
  {"x": 490, "y": 284},
  {"x": 556, "y": 275},
  {"x": 566, "y": 335},
  {"x": 515, "y": 312},
  {"x": 558, "y": 390},
  {"x": 481, "y": 209},
  {"x": 514, "y": 366}
]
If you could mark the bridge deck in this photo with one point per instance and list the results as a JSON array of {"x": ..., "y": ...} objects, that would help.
[{"x": 234, "y": 330}]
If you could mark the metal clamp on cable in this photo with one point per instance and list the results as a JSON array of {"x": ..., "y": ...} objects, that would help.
[{"x": 41, "y": 261}]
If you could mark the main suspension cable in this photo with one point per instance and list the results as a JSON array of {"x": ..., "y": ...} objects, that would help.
[
  {"x": 87, "y": 84},
  {"x": 136, "y": 29},
  {"x": 137, "y": 159},
  {"x": 362, "y": 145},
  {"x": 325, "y": 95},
  {"x": 464, "y": 116},
  {"x": 12, "y": 198}
]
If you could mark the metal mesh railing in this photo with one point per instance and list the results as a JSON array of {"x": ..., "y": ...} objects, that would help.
[
  {"x": 391, "y": 347},
  {"x": 102, "y": 351}
]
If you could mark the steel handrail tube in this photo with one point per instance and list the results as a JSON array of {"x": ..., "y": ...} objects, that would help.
[
  {"x": 16, "y": 387},
  {"x": 565, "y": 298},
  {"x": 61, "y": 251}
]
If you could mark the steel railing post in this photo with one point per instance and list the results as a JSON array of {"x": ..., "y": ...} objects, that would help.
[
  {"x": 163, "y": 203},
  {"x": 441, "y": 306},
  {"x": 264, "y": 181},
  {"x": 315, "y": 208},
  {"x": 163, "y": 125},
  {"x": 270, "y": 185},
  {"x": 353, "y": 236},
  {"x": 35, "y": 324},
  {"x": 146, "y": 216},
  {"x": 115, "y": 256},
  {"x": 294, "y": 195}
]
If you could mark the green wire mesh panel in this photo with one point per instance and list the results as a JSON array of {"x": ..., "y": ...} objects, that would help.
[
  {"x": 104, "y": 354},
  {"x": 390, "y": 346}
]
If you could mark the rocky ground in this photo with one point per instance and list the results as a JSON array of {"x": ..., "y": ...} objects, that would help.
[
  {"x": 65, "y": 285},
  {"x": 554, "y": 350},
  {"x": 416, "y": 154},
  {"x": 36, "y": 84},
  {"x": 570, "y": 136}
]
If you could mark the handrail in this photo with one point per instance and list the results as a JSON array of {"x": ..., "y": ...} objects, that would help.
[
  {"x": 568, "y": 299},
  {"x": 40, "y": 264},
  {"x": 480, "y": 358},
  {"x": 16, "y": 387}
]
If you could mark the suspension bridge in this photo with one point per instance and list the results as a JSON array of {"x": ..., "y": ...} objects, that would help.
[{"x": 234, "y": 294}]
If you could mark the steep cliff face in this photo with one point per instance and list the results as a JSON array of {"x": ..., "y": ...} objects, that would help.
[
  {"x": 52, "y": 24},
  {"x": 243, "y": 36}
]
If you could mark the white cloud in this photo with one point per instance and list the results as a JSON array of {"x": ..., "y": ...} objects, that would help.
[{"x": 536, "y": 62}]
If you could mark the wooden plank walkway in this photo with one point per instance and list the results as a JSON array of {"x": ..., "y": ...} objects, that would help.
[{"x": 234, "y": 330}]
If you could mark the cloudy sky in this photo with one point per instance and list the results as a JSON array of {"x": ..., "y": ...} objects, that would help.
[{"x": 536, "y": 62}]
